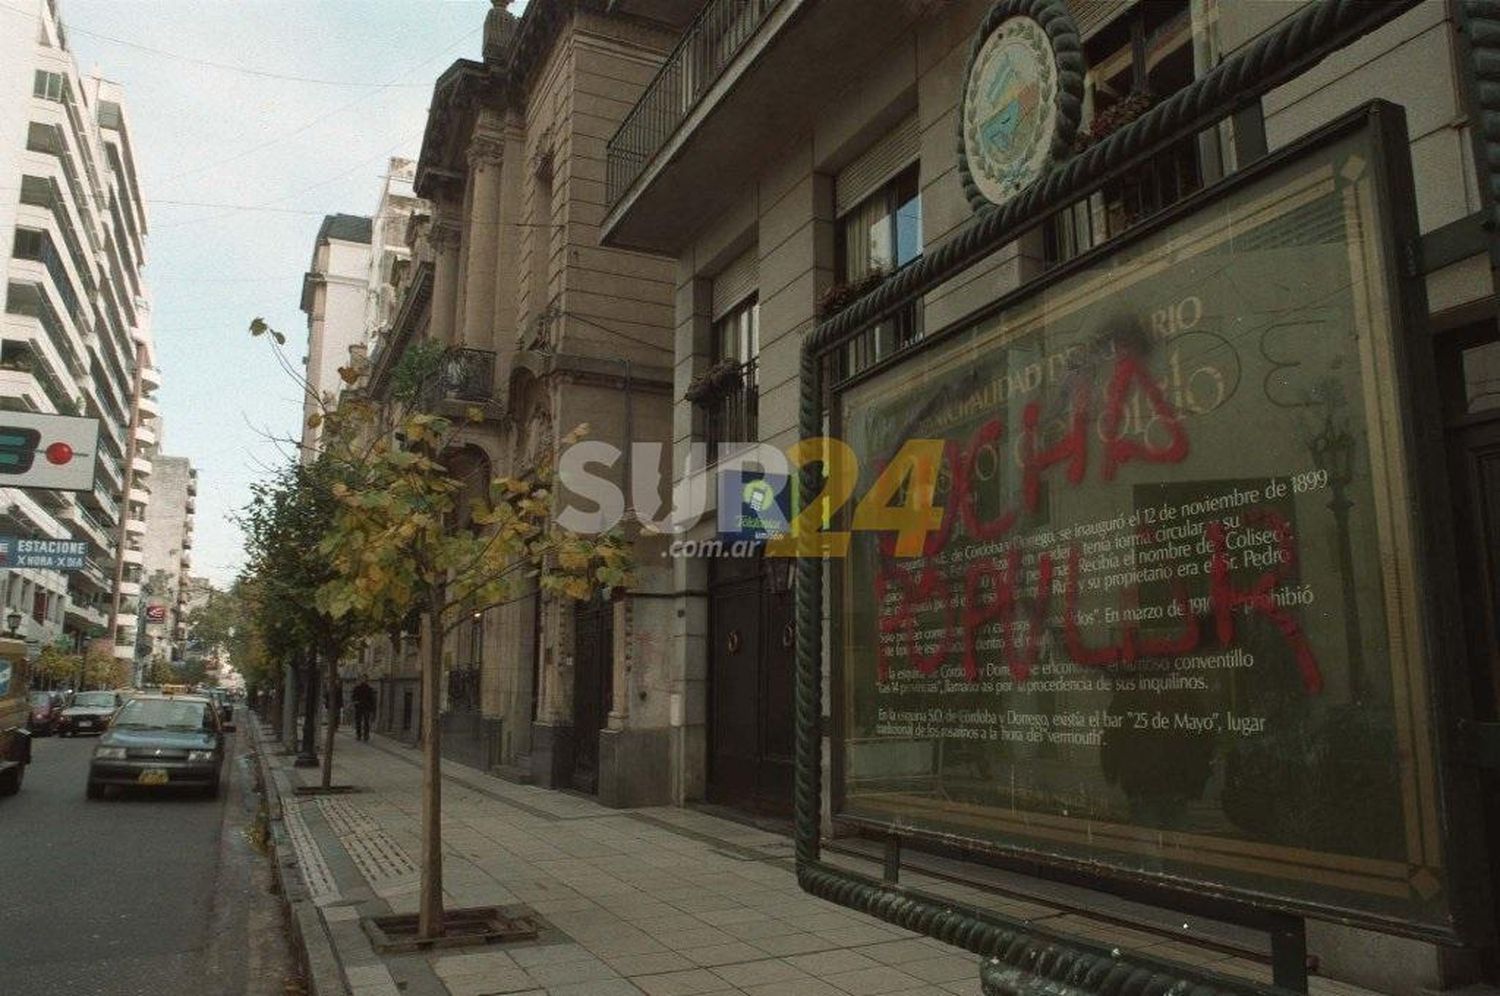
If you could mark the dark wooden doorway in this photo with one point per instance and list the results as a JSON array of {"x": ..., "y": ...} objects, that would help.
[
  {"x": 750, "y": 688},
  {"x": 593, "y": 674},
  {"x": 1469, "y": 369}
]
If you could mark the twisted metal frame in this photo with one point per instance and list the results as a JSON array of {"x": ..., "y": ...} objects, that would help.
[{"x": 1020, "y": 957}]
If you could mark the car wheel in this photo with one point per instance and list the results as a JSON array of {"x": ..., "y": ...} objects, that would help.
[
  {"x": 95, "y": 790},
  {"x": 10, "y": 783}
]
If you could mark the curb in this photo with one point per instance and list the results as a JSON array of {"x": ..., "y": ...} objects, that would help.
[{"x": 320, "y": 967}]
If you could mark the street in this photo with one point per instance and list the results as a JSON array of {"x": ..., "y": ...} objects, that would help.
[{"x": 157, "y": 893}]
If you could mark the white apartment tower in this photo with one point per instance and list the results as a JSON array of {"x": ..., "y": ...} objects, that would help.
[
  {"x": 168, "y": 555},
  {"x": 334, "y": 298},
  {"x": 390, "y": 250},
  {"x": 75, "y": 331}
]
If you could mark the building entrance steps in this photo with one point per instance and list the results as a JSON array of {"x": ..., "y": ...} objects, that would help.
[{"x": 658, "y": 900}]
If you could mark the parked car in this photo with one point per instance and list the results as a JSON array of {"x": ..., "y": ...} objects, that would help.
[
  {"x": 46, "y": 710},
  {"x": 160, "y": 740},
  {"x": 221, "y": 699},
  {"x": 89, "y": 712}
]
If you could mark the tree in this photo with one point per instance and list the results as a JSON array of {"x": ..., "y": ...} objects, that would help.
[
  {"x": 286, "y": 520},
  {"x": 422, "y": 527}
]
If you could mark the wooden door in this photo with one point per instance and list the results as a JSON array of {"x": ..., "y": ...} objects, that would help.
[{"x": 593, "y": 671}]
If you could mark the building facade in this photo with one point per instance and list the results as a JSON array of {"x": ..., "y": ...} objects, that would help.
[
  {"x": 335, "y": 300},
  {"x": 545, "y": 331},
  {"x": 167, "y": 556},
  {"x": 77, "y": 322},
  {"x": 786, "y": 185}
]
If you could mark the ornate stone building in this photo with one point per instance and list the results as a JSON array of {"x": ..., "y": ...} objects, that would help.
[{"x": 545, "y": 331}]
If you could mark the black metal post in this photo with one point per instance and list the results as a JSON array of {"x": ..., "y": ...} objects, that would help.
[{"x": 1289, "y": 955}]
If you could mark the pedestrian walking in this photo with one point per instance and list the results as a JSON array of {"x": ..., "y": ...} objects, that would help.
[{"x": 364, "y": 708}]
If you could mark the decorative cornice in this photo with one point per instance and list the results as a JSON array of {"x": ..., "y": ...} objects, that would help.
[
  {"x": 444, "y": 237},
  {"x": 485, "y": 151}
]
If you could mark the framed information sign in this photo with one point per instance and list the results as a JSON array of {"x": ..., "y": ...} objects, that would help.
[{"x": 1171, "y": 624}]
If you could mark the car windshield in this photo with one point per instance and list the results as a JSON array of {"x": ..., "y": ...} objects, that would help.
[
  {"x": 95, "y": 700},
  {"x": 164, "y": 714},
  {"x": 41, "y": 698}
]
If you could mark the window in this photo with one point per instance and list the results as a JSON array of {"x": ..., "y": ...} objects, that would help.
[
  {"x": 29, "y": 244},
  {"x": 49, "y": 86},
  {"x": 879, "y": 235},
  {"x": 732, "y": 402},
  {"x": 1135, "y": 63}
]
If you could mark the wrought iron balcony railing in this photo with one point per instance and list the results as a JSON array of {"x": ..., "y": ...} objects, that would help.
[
  {"x": 465, "y": 375},
  {"x": 710, "y": 43}
]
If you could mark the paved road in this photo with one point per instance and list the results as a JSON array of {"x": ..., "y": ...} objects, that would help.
[{"x": 147, "y": 894}]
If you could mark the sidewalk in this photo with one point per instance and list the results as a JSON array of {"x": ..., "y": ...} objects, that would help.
[{"x": 661, "y": 901}]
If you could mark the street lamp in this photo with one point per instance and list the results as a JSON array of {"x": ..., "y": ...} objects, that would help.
[{"x": 13, "y": 620}]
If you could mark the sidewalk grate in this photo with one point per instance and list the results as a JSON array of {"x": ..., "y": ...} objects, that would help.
[
  {"x": 374, "y": 852},
  {"x": 315, "y": 874}
]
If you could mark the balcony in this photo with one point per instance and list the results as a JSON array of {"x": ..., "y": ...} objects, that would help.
[
  {"x": 135, "y": 524},
  {"x": 149, "y": 406},
  {"x": 150, "y": 378},
  {"x": 133, "y": 555},
  {"x": 140, "y": 495},
  {"x": 466, "y": 378},
  {"x": 88, "y": 526},
  {"x": 141, "y": 466},
  {"x": 727, "y": 100},
  {"x": 85, "y": 617},
  {"x": 192, "y": 485},
  {"x": 730, "y": 399},
  {"x": 145, "y": 435}
]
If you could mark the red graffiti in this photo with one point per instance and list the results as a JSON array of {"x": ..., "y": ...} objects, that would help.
[{"x": 995, "y": 588}]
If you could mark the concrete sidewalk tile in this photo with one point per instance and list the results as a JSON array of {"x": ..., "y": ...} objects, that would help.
[
  {"x": 876, "y": 981},
  {"x": 723, "y": 954},
  {"x": 462, "y": 965},
  {"x": 899, "y": 952},
  {"x": 653, "y": 963},
  {"x": 549, "y": 954},
  {"x": 857, "y": 935},
  {"x": 943, "y": 968},
  {"x": 796, "y": 987},
  {"x": 745, "y": 974},
  {"x": 606, "y": 987},
  {"x": 832, "y": 962},
  {"x": 368, "y": 975},
  {"x": 783, "y": 945},
  {"x": 695, "y": 937},
  {"x": 686, "y": 983},
  {"x": 563, "y": 972},
  {"x": 961, "y": 988},
  {"x": 502, "y": 980}
]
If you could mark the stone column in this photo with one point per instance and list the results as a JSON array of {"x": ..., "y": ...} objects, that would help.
[
  {"x": 485, "y": 156},
  {"x": 444, "y": 240}
]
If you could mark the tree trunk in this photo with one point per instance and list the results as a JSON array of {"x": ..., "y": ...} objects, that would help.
[
  {"x": 333, "y": 720},
  {"x": 309, "y": 754},
  {"x": 430, "y": 910}
]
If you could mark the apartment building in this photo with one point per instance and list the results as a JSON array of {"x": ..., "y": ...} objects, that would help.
[
  {"x": 76, "y": 321},
  {"x": 167, "y": 556},
  {"x": 791, "y": 156},
  {"x": 335, "y": 300}
]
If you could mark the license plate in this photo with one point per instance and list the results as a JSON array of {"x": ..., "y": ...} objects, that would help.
[{"x": 152, "y": 776}]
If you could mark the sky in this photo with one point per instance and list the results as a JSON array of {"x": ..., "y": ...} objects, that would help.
[{"x": 238, "y": 166}]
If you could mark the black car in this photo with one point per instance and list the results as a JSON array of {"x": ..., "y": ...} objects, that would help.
[
  {"x": 89, "y": 712},
  {"x": 161, "y": 740}
]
